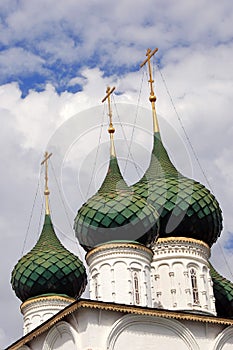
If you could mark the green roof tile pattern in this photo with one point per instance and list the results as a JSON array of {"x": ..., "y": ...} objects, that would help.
[
  {"x": 186, "y": 208},
  {"x": 115, "y": 213},
  {"x": 49, "y": 268},
  {"x": 223, "y": 293}
]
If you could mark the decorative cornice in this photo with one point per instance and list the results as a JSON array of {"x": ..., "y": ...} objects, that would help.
[
  {"x": 137, "y": 310},
  {"x": 45, "y": 298},
  {"x": 182, "y": 239},
  {"x": 180, "y": 245},
  {"x": 118, "y": 245}
]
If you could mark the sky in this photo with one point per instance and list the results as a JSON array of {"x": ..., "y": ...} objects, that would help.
[{"x": 56, "y": 60}]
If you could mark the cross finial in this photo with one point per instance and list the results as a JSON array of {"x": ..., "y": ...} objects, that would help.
[
  {"x": 111, "y": 129},
  {"x": 46, "y": 191},
  {"x": 109, "y": 91},
  {"x": 152, "y": 97}
]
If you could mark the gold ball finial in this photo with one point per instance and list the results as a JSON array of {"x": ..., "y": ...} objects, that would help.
[
  {"x": 152, "y": 98},
  {"x": 111, "y": 129}
]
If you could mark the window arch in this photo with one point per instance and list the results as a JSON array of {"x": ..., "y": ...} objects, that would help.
[
  {"x": 175, "y": 328},
  {"x": 195, "y": 294},
  {"x": 136, "y": 288},
  {"x": 61, "y": 335},
  {"x": 95, "y": 286}
]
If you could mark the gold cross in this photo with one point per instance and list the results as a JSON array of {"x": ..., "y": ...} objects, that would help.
[
  {"x": 152, "y": 97},
  {"x": 150, "y": 54},
  {"x": 46, "y": 191},
  {"x": 109, "y": 91},
  {"x": 111, "y": 129}
]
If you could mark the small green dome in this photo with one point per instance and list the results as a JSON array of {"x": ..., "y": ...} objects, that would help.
[
  {"x": 223, "y": 293},
  {"x": 115, "y": 213},
  {"x": 49, "y": 268},
  {"x": 186, "y": 208}
]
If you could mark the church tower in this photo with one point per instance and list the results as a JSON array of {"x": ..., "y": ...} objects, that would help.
[
  {"x": 117, "y": 227},
  {"x": 190, "y": 221}
]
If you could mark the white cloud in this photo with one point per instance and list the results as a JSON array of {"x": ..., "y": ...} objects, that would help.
[
  {"x": 74, "y": 32},
  {"x": 17, "y": 60}
]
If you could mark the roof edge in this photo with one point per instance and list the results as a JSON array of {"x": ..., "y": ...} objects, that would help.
[{"x": 100, "y": 305}]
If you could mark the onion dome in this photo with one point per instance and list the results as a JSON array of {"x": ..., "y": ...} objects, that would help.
[
  {"x": 223, "y": 293},
  {"x": 49, "y": 268},
  {"x": 115, "y": 212},
  {"x": 186, "y": 208}
]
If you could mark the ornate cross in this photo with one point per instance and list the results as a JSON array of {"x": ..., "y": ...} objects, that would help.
[
  {"x": 111, "y": 129},
  {"x": 152, "y": 97},
  {"x": 149, "y": 54},
  {"x": 109, "y": 91},
  {"x": 46, "y": 191}
]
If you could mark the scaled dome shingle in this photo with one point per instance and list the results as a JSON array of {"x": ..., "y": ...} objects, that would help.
[
  {"x": 115, "y": 213},
  {"x": 186, "y": 207}
]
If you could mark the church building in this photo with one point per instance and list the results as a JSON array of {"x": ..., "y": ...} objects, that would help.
[{"x": 147, "y": 250}]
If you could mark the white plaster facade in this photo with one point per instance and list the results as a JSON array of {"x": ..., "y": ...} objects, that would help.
[
  {"x": 177, "y": 277},
  {"x": 120, "y": 273},
  {"x": 98, "y": 329},
  {"x": 180, "y": 276}
]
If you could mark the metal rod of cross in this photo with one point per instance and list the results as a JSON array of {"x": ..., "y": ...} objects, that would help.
[
  {"x": 111, "y": 129},
  {"x": 46, "y": 191},
  {"x": 152, "y": 97}
]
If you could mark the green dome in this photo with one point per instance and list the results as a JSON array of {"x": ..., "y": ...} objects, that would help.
[
  {"x": 48, "y": 268},
  {"x": 115, "y": 213},
  {"x": 223, "y": 293},
  {"x": 186, "y": 208}
]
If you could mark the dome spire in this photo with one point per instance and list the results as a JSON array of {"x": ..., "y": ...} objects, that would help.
[
  {"x": 152, "y": 97},
  {"x": 46, "y": 191},
  {"x": 111, "y": 129}
]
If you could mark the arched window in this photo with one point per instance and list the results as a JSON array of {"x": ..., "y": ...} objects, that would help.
[
  {"x": 95, "y": 285},
  {"x": 193, "y": 276},
  {"x": 136, "y": 288}
]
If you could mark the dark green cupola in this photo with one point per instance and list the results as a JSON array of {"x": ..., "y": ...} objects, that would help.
[
  {"x": 223, "y": 293},
  {"x": 115, "y": 212},
  {"x": 186, "y": 207},
  {"x": 49, "y": 268}
]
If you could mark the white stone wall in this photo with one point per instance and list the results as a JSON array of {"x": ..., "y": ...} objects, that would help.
[
  {"x": 93, "y": 329},
  {"x": 180, "y": 276},
  {"x": 120, "y": 273}
]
